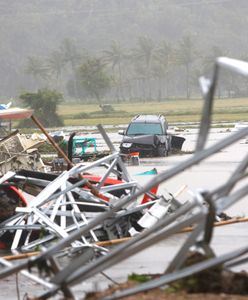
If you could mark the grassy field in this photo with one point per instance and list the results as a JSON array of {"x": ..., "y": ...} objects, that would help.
[{"x": 176, "y": 111}]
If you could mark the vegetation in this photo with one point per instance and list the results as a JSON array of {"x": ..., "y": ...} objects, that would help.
[
  {"x": 149, "y": 71},
  {"x": 44, "y": 103},
  {"x": 140, "y": 278},
  {"x": 145, "y": 50},
  {"x": 93, "y": 79}
]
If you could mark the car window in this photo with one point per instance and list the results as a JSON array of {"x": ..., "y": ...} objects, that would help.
[{"x": 144, "y": 128}]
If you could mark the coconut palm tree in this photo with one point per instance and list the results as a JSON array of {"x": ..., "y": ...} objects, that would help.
[
  {"x": 144, "y": 54},
  {"x": 72, "y": 57},
  {"x": 115, "y": 57},
  {"x": 56, "y": 64},
  {"x": 185, "y": 55},
  {"x": 163, "y": 57},
  {"x": 158, "y": 72}
]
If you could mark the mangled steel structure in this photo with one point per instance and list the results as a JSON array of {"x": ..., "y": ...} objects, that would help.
[
  {"x": 18, "y": 151},
  {"x": 62, "y": 198}
]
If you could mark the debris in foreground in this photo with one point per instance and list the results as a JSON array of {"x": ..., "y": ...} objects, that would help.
[
  {"x": 68, "y": 212},
  {"x": 212, "y": 283}
]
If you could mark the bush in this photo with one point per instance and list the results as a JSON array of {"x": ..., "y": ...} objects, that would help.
[{"x": 44, "y": 103}]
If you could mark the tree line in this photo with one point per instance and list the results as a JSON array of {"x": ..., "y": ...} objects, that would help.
[{"x": 147, "y": 72}]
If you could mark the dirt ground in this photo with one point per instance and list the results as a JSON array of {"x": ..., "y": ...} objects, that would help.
[
  {"x": 184, "y": 296},
  {"x": 188, "y": 297},
  {"x": 214, "y": 283},
  {"x": 158, "y": 294}
]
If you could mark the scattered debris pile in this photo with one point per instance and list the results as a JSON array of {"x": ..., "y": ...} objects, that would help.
[
  {"x": 72, "y": 212},
  {"x": 10, "y": 199},
  {"x": 19, "y": 151}
]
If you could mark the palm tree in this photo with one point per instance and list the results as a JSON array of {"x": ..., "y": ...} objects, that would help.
[
  {"x": 140, "y": 78},
  {"x": 93, "y": 78},
  {"x": 72, "y": 57},
  {"x": 115, "y": 57},
  {"x": 56, "y": 64},
  {"x": 185, "y": 55},
  {"x": 158, "y": 72},
  {"x": 144, "y": 53},
  {"x": 163, "y": 57},
  {"x": 70, "y": 53}
]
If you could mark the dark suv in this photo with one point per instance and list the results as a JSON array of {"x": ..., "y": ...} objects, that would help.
[{"x": 147, "y": 134}]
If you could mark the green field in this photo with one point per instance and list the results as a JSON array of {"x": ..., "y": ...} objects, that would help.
[{"x": 176, "y": 111}]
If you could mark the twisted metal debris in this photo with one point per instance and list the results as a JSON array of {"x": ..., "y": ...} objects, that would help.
[{"x": 73, "y": 218}]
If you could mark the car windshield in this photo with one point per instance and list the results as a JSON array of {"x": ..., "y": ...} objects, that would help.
[{"x": 144, "y": 128}]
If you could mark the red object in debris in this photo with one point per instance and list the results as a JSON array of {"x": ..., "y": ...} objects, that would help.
[
  {"x": 147, "y": 198},
  {"x": 111, "y": 181},
  {"x": 3, "y": 246},
  {"x": 15, "y": 113},
  {"x": 19, "y": 194},
  {"x": 134, "y": 154},
  {"x": 108, "y": 181}
]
